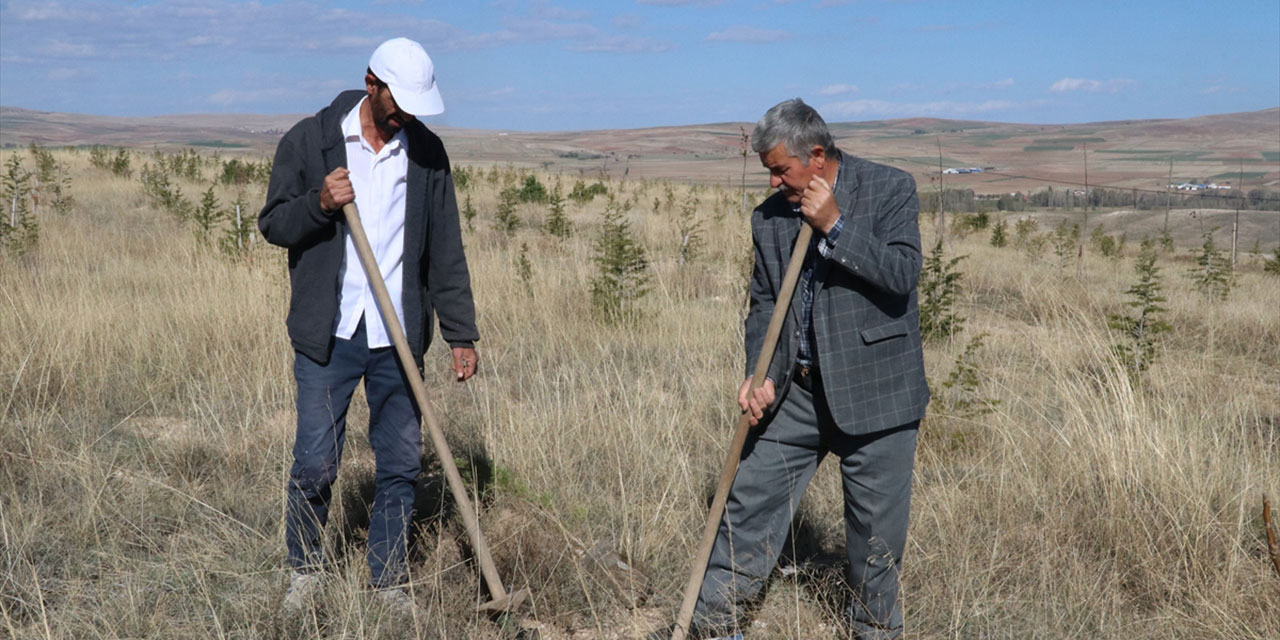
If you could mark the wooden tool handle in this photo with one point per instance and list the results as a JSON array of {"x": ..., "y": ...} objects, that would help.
[
  {"x": 392, "y": 322},
  {"x": 780, "y": 308}
]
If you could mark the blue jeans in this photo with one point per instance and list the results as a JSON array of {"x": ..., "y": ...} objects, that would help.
[{"x": 324, "y": 393}]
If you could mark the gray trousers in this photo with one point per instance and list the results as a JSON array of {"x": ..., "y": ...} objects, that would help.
[{"x": 777, "y": 463}]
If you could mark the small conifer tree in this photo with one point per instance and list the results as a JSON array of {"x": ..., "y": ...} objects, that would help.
[
  {"x": 1065, "y": 240},
  {"x": 1272, "y": 265},
  {"x": 19, "y": 231},
  {"x": 690, "y": 232},
  {"x": 532, "y": 190},
  {"x": 524, "y": 269},
  {"x": 1143, "y": 330},
  {"x": 238, "y": 235},
  {"x": 557, "y": 223},
  {"x": 206, "y": 216},
  {"x": 1212, "y": 275},
  {"x": 999, "y": 234},
  {"x": 469, "y": 213},
  {"x": 508, "y": 221},
  {"x": 1166, "y": 241},
  {"x": 622, "y": 276},
  {"x": 938, "y": 288},
  {"x": 963, "y": 396}
]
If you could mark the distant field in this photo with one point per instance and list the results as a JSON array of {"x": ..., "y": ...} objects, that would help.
[
  {"x": 218, "y": 144},
  {"x": 1247, "y": 175},
  {"x": 1126, "y": 154},
  {"x": 1071, "y": 141}
]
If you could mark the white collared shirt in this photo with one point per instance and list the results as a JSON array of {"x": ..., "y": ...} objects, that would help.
[{"x": 379, "y": 183}]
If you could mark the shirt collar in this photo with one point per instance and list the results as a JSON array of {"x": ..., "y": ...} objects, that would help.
[{"x": 351, "y": 131}]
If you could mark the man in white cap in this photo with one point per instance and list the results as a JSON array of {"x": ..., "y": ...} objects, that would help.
[{"x": 367, "y": 147}]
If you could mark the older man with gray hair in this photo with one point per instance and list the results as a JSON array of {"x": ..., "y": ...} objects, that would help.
[{"x": 847, "y": 376}]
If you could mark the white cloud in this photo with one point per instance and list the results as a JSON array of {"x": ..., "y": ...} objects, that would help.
[
  {"x": 750, "y": 35},
  {"x": 886, "y": 109},
  {"x": 1219, "y": 88},
  {"x": 622, "y": 44},
  {"x": 998, "y": 84},
  {"x": 61, "y": 49},
  {"x": 627, "y": 20},
  {"x": 185, "y": 29},
  {"x": 837, "y": 89},
  {"x": 1087, "y": 85},
  {"x": 539, "y": 29},
  {"x": 65, "y": 74},
  {"x": 544, "y": 9},
  {"x": 681, "y": 3}
]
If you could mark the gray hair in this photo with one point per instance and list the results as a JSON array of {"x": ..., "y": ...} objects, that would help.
[{"x": 795, "y": 125}]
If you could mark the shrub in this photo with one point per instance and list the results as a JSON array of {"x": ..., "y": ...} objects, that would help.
[
  {"x": 532, "y": 191},
  {"x": 582, "y": 193},
  {"x": 462, "y": 177}
]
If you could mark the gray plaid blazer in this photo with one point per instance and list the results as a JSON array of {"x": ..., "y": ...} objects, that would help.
[{"x": 865, "y": 317}]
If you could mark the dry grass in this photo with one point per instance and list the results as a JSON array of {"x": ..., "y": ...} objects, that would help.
[{"x": 146, "y": 416}]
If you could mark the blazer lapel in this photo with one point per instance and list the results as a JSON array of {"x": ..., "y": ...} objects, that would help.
[
  {"x": 845, "y": 191},
  {"x": 786, "y": 243}
]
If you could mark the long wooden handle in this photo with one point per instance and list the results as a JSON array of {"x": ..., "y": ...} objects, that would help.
[
  {"x": 780, "y": 308},
  {"x": 392, "y": 322}
]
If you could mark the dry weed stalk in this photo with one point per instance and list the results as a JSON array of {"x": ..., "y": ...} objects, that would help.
[{"x": 1273, "y": 547}]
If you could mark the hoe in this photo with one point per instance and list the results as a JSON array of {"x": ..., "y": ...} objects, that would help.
[
  {"x": 503, "y": 602},
  {"x": 699, "y": 568}
]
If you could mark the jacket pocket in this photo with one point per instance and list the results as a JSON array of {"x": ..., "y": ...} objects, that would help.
[{"x": 885, "y": 331}]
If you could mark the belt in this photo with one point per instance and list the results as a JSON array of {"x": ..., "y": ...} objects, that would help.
[{"x": 805, "y": 375}]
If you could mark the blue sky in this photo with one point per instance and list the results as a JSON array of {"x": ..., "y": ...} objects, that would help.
[{"x": 568, "y": 64}]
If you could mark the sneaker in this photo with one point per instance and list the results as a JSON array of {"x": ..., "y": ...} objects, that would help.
[
  {"x": 398, "y": 600},
  {"x": 302, "y": 587}
]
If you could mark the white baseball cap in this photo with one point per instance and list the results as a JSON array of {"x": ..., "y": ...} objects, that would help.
[{"x": 407, "y": 70}]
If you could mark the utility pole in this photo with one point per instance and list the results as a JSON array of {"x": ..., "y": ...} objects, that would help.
[
  {"x": 942, "y": 194},
  {"x": 1235, "y": 226},
  {"x": 1083, "y": 227},
  {"x": 1168, "y": 198}
]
